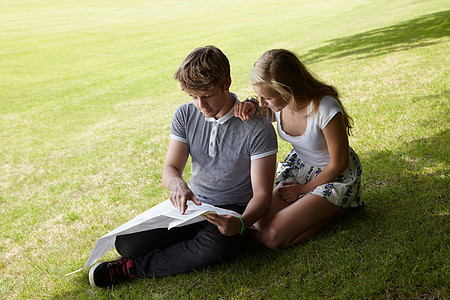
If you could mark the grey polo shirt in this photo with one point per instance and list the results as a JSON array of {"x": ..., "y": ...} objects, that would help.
[{"x": 221, "y": 152}]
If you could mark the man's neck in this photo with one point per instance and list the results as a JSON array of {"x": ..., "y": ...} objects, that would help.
[{"x": 228, "y": 105}]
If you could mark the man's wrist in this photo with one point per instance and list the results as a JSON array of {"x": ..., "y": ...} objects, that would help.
[
  {"x": 242, "y": 226},
  {"x": 177, "y": 181}
]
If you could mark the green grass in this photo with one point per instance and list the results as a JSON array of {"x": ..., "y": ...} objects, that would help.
[{"x": 86, "y": 100}]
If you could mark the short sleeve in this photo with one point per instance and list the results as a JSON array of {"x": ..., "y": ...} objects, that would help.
[
  {"x": 328, "y": 108},
  {"x": 178, "y": 128},
  {"x": 264, "y": 140}
]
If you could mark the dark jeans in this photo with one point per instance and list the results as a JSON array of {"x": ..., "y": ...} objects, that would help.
[{"x": 163, "y": 252}]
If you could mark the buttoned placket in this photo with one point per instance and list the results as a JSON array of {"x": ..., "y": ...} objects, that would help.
[
  {"x": 213, "y": 139},
  {"x": 212, "y": 146}
]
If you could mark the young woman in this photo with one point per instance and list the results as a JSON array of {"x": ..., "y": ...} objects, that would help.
[{"x": 319, "y": 181}]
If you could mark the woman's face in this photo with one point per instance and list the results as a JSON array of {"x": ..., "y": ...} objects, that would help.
[{"x": 269, "y": 97}]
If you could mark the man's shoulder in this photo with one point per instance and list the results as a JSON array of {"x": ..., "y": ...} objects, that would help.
[
  {"x": 186, "y": 109},
  {"x": 186, "y": 106},
  {"x": 258, "y": 122},
  {"x": 260, "y": 136},
  {"x": 255, "y": 126}
]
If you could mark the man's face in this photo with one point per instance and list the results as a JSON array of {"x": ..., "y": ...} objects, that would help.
[{"x": 211, "y": 102}]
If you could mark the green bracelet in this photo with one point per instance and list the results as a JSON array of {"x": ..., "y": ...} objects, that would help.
[{"x": 243, "y": 226}]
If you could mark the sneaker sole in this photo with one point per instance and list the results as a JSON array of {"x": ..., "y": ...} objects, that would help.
[{"x": 91, "y": 276}]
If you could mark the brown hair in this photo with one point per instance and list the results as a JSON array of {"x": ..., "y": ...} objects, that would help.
[
  {"x": 283, "y": 71},
  {"x": 203, "y": 69}
]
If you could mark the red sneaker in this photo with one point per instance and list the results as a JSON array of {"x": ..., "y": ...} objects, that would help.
[{"x": 106, "y": 274}]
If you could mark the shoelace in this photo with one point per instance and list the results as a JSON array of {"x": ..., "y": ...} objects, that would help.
[{"x": 118, "y": 270}]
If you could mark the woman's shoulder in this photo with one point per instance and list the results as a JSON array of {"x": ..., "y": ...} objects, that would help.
[
  {"x": 329, "y": 104},
  {"x": 329, "y": 101}
]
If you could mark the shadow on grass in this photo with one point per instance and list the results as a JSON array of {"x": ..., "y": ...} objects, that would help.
[
  {"x": 444, "y": 95},
  {"x": 419, "y": 168},
  {"x": 420, "y": 32},
  {"x": 394, "y": 247}
]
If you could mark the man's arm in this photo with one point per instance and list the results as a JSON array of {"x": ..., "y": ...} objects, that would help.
[
  {"x": 176, "y": 158},
  {"x": 262, "y": 176}
]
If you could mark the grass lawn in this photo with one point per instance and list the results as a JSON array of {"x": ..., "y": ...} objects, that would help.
[{"x": 86, "y": 100}]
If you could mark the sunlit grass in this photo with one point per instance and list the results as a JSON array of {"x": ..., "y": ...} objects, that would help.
[{"x": 86, "y": 100}]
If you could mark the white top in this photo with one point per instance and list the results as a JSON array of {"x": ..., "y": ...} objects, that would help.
[{"x": 311, "y": 146}]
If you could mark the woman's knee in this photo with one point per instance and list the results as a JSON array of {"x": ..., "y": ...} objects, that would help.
[{"x": 273, "y": 239}]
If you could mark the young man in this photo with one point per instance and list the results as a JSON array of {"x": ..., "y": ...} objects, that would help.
[{"x": 233, "y": 167}]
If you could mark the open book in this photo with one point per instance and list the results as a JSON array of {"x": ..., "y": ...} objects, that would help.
[{"x": 162, "y": 215}]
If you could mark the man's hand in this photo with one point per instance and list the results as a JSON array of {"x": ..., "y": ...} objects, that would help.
[
  {"x": 180, "y": 194},
  {"x": 244, "y": 110},
  {"x": 227, "y": 225},
  {"x": 291, "y": 191}
]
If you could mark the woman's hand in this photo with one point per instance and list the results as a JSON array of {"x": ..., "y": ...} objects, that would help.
[
  {"x": 227, "y": 225},
  {"x": 291, "y": 191},
  {"x": 244, "y": 110}
]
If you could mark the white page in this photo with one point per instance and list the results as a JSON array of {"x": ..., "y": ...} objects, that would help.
[{"x": 162, "y": 215}]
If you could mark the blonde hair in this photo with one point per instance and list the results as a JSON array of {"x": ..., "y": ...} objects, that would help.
[
  {"x": 283, "y": 71},
  {"x": 203, "y": 69}
]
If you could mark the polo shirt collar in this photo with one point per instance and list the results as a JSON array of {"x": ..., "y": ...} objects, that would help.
[{"x": 227, "y": 116}]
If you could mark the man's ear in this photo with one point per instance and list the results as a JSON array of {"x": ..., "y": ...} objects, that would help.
[{"x": 227, "y": 84}]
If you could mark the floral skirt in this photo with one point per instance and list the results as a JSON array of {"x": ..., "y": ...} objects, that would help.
[{"x": 344, "y": 191}]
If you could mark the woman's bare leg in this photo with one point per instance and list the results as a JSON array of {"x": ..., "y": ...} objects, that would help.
[
  {"x": 316, "y": 228},
  {"x": 297, "y": 221}
]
